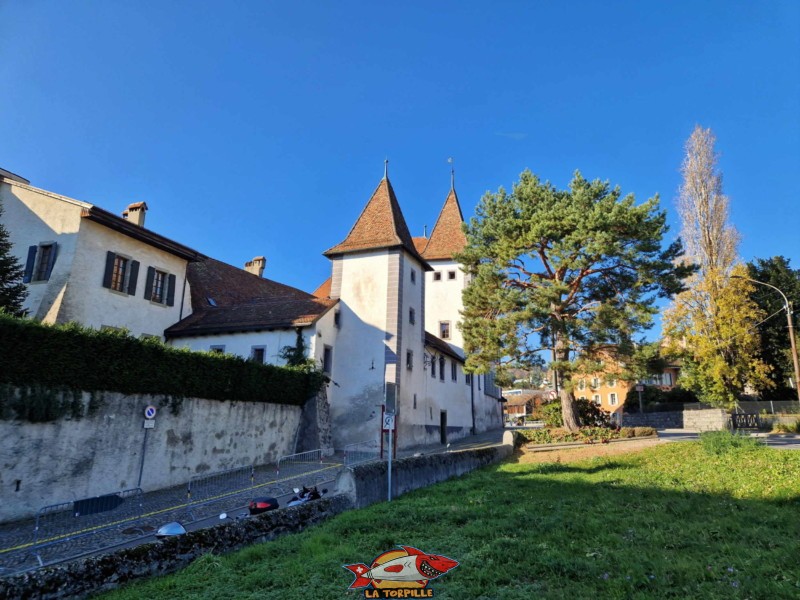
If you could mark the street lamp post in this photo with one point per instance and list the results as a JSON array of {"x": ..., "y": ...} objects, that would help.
[{"x": 787, "y": 306}]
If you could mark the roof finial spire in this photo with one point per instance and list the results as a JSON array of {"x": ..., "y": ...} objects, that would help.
[
  {"x": 386, "y": 168},
  {"x": 452, "y": 174}
]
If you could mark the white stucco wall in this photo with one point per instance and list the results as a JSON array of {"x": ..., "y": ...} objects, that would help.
[
  {"x": 32, "y": 217},
  {"x": 358, "y": 352},
  {"x": 87, "y": 301},
  {"x": 74, "y": 291},
  {"x": 241, "y": 344},
  {"x": 443, "y": 301}
]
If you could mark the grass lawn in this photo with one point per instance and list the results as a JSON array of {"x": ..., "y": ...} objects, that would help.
[{"x": 671, "y": 521}]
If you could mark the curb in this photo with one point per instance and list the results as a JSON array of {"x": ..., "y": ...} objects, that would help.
[{"x": 546, "y": 447}]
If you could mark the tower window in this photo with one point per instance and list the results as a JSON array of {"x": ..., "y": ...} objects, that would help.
[
  {"x": 451, "y": 274},
  {"x": 444, "y": 330},
  {"x": 437, "y": 276}
]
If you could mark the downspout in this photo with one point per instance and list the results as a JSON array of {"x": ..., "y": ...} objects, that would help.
[
  {"x": 183, "y": 294},
  {"x": 472, "y": 400}
]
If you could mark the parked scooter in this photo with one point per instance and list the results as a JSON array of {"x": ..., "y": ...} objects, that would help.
[{"x": 306, "y": 495}]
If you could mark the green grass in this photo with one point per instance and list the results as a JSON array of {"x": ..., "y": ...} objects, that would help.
[{"x": 673, "y": 521}]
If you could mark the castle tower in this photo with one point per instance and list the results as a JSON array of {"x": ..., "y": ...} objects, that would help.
[
  {"x": 379, "y": 277},
  {"x": 446, "y": 282}
]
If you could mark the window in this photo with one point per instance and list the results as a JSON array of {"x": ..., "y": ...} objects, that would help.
[
  {"x": 468, "y": 378},
  {"x": 454, "y": 371},
  {"x": 444, "y": 330},
  {"x": 441, "y": 368},
  {"x": 258, "y": 353},
  {"x": 217, "y": 349},
  {"x": 433, "y": 366},
  {"x": 612, "y": 382},
  {"x": 451, "y": 275},
  {"x": 337, "y": 319},
  {"x": 409, "y": 360},
  {"x": 479, "y": 382},
  {"x": 121, "y": 273},
  {"x": 582, "y": 384},
  {"x": 412, "y": 316},
  {"x": 415, "y": 402},
  {"x": 413, "y": 276},
  {"x": 327, "y": 360},
  {"x": 597, "y": 400},
  {"x": 159, "y": 287},
  {"x": 612, "y": 399},
  {"x": 595, "y": 382},
  {"x": 40, "y": 262},
  {"x": 437, "y": 276}
]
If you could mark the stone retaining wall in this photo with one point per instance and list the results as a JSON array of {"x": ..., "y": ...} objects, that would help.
[{"x": 708, "y": 419}]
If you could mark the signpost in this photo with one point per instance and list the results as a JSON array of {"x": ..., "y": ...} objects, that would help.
[
  {"x": 640, "y": 389},
  {"x": 388, "y": 425},
  {"x": 149, "y": 423}
]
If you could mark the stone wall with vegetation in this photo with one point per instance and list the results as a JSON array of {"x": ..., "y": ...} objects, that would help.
[{"x": 106, "y": 448}]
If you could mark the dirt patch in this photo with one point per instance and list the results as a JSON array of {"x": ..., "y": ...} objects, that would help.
[{"x": 566, "y": 455}]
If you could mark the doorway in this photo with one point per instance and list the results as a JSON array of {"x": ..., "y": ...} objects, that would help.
[{"x": 443, "y": 426}]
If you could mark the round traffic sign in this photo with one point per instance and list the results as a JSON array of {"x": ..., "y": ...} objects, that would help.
[{"x": 150, "y": 412}]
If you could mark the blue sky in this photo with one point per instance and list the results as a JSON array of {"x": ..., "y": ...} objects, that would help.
[{"x": 256, "y": 128}]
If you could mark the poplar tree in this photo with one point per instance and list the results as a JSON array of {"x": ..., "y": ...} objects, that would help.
[
  {"x": 713, "y": 325},
  {"x": 575, "y": 272},
  {"x": 12, "y": 291}
]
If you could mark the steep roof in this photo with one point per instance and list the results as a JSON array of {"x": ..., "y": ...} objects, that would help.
[
  {"x": 226, "y": 299},
  {"x": 324, "y": 289},
  {"x": 447, "y": 238},
  {"x": 420, "y": 243},
  {"x": 380, "y": 225}
]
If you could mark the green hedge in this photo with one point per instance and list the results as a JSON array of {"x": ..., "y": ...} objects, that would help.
[
  {"x": 79, "y": 358},
  {"x": 587, "y": 435}
]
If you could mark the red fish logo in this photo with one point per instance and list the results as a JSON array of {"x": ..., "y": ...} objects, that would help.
[{"x": 405, "y": 568}]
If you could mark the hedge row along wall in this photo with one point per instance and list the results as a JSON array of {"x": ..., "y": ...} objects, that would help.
[{"x": 71, "y": 356}]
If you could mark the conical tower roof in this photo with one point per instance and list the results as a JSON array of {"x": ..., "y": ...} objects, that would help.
[
  {"x": 380, "y": 225},
  {"x": 447, "y": 237}
]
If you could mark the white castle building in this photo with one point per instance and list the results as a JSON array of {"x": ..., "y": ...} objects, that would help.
[{"x": 384, "y": 326}]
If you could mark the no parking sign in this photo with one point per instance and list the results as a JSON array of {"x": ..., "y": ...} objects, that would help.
[{"x": 150, "y": 412}]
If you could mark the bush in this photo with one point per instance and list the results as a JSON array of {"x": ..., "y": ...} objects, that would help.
[
  {"x": 722, "y": 442},
  {"x": 589, "y": 413},
  {"x": 71, "y": 357},
  {"x": 587, "y": 435},
  {"x": 787, "y": 427}
]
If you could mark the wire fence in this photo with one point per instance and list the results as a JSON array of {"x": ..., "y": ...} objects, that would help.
[
  {"x": 361, "y": 452},
  {"x": 65, "y": 522}
]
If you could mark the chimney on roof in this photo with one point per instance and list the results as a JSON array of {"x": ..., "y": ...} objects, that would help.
[
  {"x": 256, "y": 266},
  {"x": 135, "y": 213}
]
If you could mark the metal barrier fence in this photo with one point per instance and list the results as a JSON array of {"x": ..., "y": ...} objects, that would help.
[
  {"x": 220, "y": 485},
  {"x": 298, "y": 462},
  {"x": 61, "y": 523},
  {"x": 361, "y": 452},
  {"x": 745, "y": 421}
]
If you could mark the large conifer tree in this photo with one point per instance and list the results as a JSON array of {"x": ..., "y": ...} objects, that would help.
[{"x": 575, "y": 272}]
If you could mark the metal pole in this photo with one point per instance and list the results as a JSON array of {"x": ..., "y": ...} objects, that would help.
[
  {"x": 141, "y": 463},
  {"x": 787, "y": 306},
  {"x": 389, "y": 465}
]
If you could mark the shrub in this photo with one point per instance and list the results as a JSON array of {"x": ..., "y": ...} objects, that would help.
[
  {"x": 787, "y": 427},
  {"x": 70, "y": 357},
  {"x": 722, "y": 442},
  {"x": 589, "y": 413}
]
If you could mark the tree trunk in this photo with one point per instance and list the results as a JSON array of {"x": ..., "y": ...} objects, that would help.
[{"x": 569, "y": 411}]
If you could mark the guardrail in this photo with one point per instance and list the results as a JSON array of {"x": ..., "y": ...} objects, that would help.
[
  {"x": 361, "y": 452},
  {"x": 297, "y": 462},
  {"x": 66, "y": 521}
]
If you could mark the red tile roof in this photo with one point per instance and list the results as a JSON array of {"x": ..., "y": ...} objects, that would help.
[
  {"x": 324, "y": 290},
  {"x": 380, "y": 225},
  {"x": 228, "y": 299},
  {"x": 447, "y": 237},
  {"x": 420, "y": 243}
]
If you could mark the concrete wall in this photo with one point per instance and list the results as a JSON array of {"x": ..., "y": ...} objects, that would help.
[
  {"x": 98, "y": 454},
  {"x": 701, "y": 419}
]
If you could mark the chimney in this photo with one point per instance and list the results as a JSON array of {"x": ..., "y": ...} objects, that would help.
[
  {"x": 256, "y": 266},
  {"x": 135, "y": 213}
]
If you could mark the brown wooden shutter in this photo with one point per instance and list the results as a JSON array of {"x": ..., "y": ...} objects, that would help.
[{"x": 110, "y": 256}]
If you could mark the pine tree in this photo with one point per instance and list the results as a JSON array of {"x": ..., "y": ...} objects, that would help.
[
  {"x": 574, "y": 272},
  {"x": 12, "y": 291}
]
